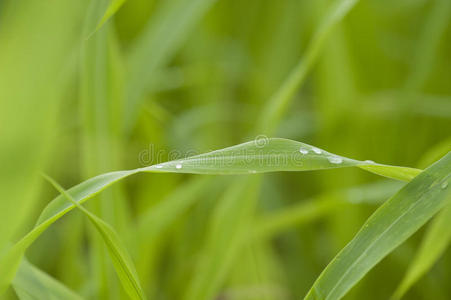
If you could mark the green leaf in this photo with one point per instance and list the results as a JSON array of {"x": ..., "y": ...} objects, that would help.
[
  {"x": 387, "y": 228},
  {"x": 267, "y": 155},
  {"x": 122, "y": 261},
  {"x": 435, "y": 242},
  {"x": 31, "y": 283},
  {"x": 272, "y": 155},
  {"x": 400, "y": 173}
]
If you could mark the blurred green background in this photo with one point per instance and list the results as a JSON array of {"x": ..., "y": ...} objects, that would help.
[{"x": 174, "y": 77}]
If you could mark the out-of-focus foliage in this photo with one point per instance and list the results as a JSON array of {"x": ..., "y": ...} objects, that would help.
[{"x": 165, "y": 79}]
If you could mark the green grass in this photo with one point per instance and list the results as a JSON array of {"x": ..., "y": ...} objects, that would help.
[{"x": 296, "y": 96}]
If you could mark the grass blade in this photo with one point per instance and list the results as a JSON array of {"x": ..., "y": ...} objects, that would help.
[
  {"x": 32, "y": 283},
  {"x": 437, "y": 237},
  {"x": 248, "y": 158},
  {"x": 122, "y": 261},
  {"x": 272, "y": 155},
  {"x": 432, "y": 247},
  {"x": 386, "y": 229}
]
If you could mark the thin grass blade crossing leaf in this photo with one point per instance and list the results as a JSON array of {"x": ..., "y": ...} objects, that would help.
[{"x": 122, "y": 261}]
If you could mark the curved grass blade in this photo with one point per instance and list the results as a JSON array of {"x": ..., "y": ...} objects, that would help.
[
  {"x": 271, "y": 155},
  {"x": 437, "y": 239},
  {"x": 122, "y": 261},
  {"x": 387, "y": 228},
  {"x": 31, "y": 283},
  {"x": 399, "y": 173}
]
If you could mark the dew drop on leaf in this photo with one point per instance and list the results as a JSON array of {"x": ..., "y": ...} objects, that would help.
[
  {"x": 335, "y": 160},
  {"x": 303, "y": 151},
  {"x": 316, "y": 150}
]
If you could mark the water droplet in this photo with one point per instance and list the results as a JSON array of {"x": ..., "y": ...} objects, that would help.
[
  {"x": 335, "y": 159},
  {"x": 303, "y": 151},
  {"x": 369, "y": 161},
  {"x": 316, "y": 150},
  {"x": 252, "y": 171},
  {"x": 444, "y": 185},
  {"x": 178, "y": 166},
  {"x": 159, "y": 166}
]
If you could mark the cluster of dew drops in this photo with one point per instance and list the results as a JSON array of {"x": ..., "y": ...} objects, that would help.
[
  {"x": 177, "y": 166},
  {"x": 332, "y": 159}
]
